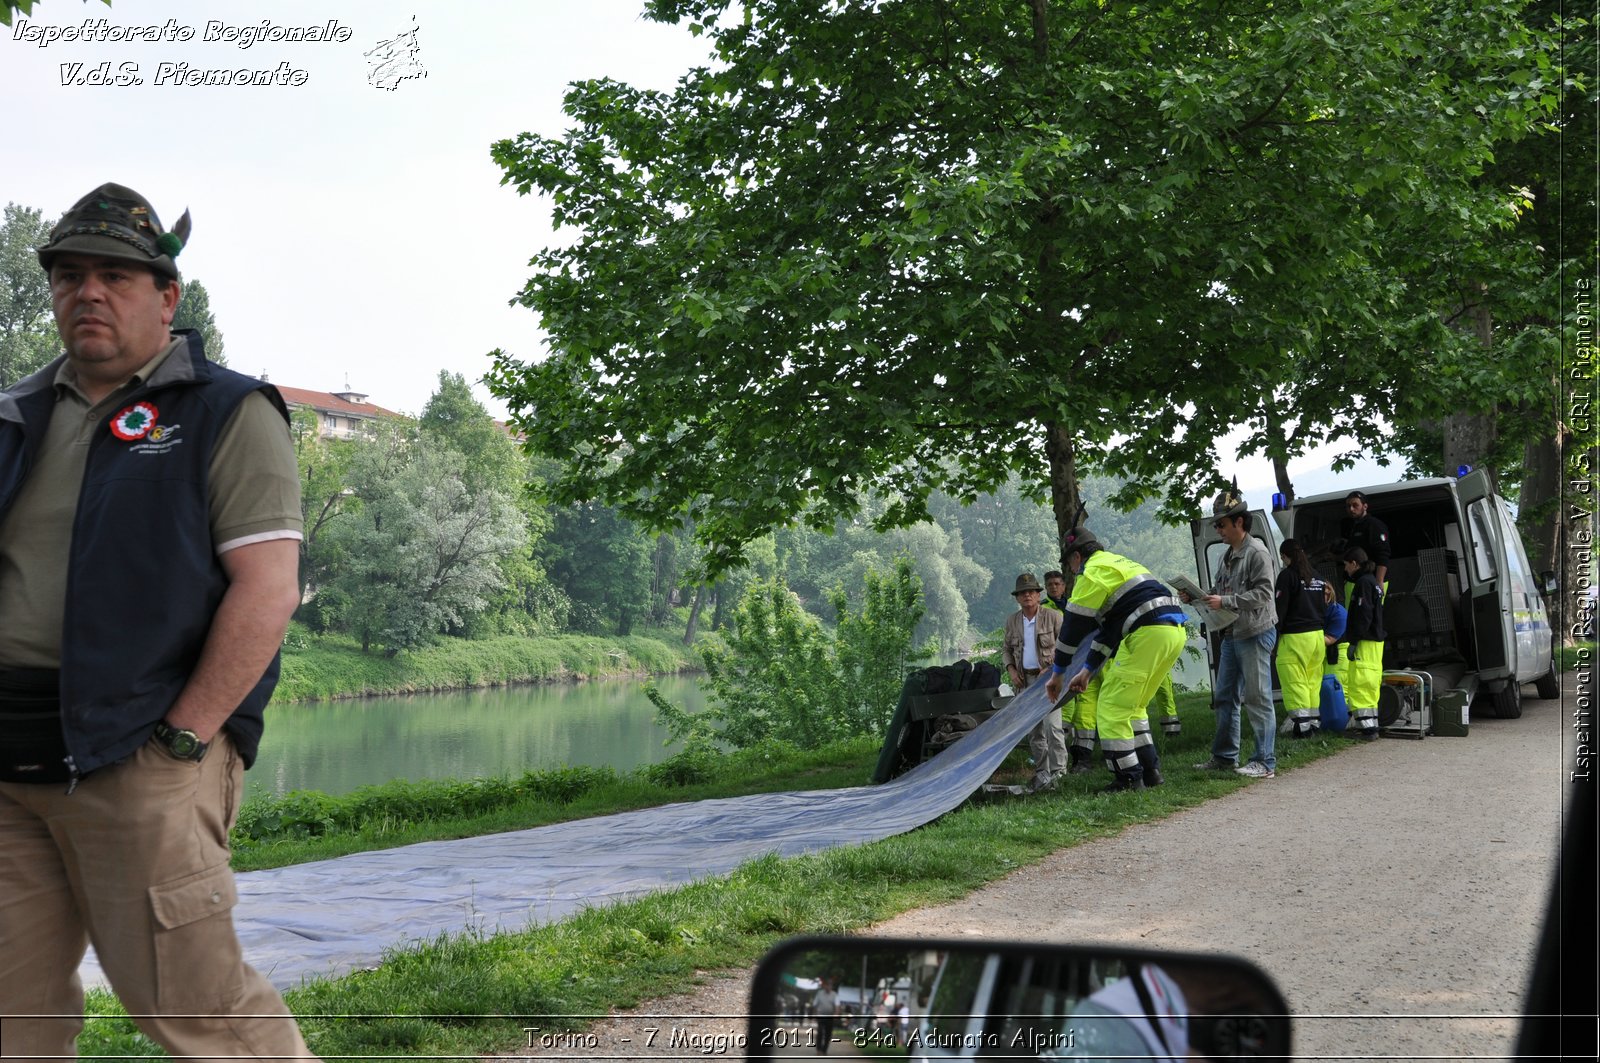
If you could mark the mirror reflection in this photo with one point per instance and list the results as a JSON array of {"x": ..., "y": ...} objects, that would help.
[{"x": 960, "y": 1000}]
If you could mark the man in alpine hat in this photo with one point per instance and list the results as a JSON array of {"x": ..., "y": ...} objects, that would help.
[{"x": 149, "y": 536}]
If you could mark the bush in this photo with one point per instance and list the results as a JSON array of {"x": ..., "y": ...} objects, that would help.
[
  {"x": 782, "y": 675},
  {"x": 689, "y": 768}
]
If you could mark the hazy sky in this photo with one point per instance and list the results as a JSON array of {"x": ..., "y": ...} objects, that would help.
[
  {"x": 343, "y": 230},
  {"x": 347, "y": 231}
]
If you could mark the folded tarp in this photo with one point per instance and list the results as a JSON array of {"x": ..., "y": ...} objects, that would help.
[{"x": 330, "y": 917}]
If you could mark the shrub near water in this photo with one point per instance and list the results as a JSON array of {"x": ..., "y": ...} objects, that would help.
[{"x": 783, "y": 675}]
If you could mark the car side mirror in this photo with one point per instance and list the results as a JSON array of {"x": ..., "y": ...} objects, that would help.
[
  {"x": 941, "y": 999},
  {"x": 1547, "y": 580}
]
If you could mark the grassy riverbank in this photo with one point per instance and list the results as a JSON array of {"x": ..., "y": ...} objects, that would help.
[
  {"x": 302, "y": 826},
  {"x": 470, "y": 994},
  {"x": 321, "y": 667}
]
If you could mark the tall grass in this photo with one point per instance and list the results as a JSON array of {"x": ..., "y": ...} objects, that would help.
[{"x": 318, "y": 667}]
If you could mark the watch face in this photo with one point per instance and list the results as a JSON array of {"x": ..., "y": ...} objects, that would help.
[{"x": 185, "y": 745}]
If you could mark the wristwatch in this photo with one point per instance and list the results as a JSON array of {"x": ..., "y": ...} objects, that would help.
[{"x": 181, "y": 744}]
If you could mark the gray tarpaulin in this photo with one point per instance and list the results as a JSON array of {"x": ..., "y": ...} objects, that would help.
[{"x": 333, "y": 916}]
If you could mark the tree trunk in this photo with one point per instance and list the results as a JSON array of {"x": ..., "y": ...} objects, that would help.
[
  {"x": 1539, "y": 503},
  {"x": 1280, "y": 462},
  {"x": 694, "y": 615},
  {"x": 1065, "y": 498},
  {"x": 1469, "y": 438},
  {"x": 717, "y": 612},
  {"x": 1280, "y": 473}
]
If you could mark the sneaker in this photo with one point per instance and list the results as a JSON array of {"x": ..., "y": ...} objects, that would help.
[
  {"x": 1215, "y": 764},
  {"x": 1040, "y": 783},
  {"x": 1256, "y": 770}
]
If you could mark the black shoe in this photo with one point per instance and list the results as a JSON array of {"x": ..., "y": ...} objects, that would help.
[
  {"x": 1080, "y": 767},
  {"x": 1153, "y": 777},
  {"x": 1134, "y": 781}
]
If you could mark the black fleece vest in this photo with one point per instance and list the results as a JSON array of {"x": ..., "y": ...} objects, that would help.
[{"x": 143, "y": 581}]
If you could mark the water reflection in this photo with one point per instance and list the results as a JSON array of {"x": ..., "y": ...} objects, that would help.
[{"x": 337, "y": 746}]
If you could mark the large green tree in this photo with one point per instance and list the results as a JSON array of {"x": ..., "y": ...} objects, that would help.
[
  {"x": 894, "y": 248},
  {"x": 27, "y": 324},
  {"x": 527, "y": 603},
  {"x": 194, "y": 312},
  {"x": 602, "y": 562},
  {"x": 423, "y": 553}
]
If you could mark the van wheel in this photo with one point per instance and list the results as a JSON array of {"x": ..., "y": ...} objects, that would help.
[
  {"x": 1548, "y": 686},
  {"x": 1508, "y": 701}
]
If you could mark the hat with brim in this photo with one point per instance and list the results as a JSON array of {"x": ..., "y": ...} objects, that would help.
[
  {"x": 116, "y": 222},
  {"x": 1229, "y": 504},
  {"x": 1079, "y": 540},
  {"x": 1026, "y": 582}
]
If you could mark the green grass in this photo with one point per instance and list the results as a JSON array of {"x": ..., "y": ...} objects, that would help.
[
  {"x": 318, "y": 667},
  {"x": 306, "y": 825},
  {"x": 1569, "y": 657},
  {"x": 467, "y": 994}
]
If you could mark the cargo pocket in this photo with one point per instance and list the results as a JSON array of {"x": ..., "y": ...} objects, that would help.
[{"x": 199, "y": 967}]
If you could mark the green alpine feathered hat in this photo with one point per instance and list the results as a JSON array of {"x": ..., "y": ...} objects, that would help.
[{"x": 114, "y": 221}]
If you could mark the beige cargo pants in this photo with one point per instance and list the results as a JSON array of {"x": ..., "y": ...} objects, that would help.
[{"x": 134, "y": 860}]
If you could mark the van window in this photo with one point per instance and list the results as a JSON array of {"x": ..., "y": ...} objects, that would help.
[
  {"x": 1480, "y": 519},
  {"x": 1516, "y": 558},
  {"x": 955, "y": 997}
]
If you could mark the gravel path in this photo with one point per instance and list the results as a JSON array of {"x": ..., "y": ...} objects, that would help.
[{"x": 1394, "y": 892}]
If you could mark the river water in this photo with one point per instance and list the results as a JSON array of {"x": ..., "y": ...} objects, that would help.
[{"x": 336, "y": 746}]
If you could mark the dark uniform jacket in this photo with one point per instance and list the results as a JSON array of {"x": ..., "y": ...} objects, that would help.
[
  {"x": 1299, "y": 605},
  {"x": 144, "y": 580},
  {"x": 1369, "y": 533},
  {"x": 1365, "y": 619}
]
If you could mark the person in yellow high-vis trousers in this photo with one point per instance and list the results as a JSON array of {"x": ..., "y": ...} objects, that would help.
[
  {"x": 1137, "y": 633},
  {"x": 1364, "y": 636},
  {"x": 1297, "y": 597}
]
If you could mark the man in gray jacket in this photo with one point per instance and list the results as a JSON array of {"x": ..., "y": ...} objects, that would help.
[
  {"x": 1029, "y": 647},
  {"x": 1244, "y": 672}
]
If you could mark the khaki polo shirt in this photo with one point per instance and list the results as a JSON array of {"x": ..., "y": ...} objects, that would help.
[{"x": 255, "y": 496}]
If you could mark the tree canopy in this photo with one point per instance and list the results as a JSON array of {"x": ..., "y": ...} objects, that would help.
[
  {"x": 894, "y": 248},
  {"x": 194, "y": 312},
  {"x": 27, "y": 323}
]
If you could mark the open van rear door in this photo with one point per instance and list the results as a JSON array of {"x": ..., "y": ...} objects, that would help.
[{"x": 1491, "y": 592}]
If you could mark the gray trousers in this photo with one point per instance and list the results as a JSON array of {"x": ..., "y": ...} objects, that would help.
[{"x": 1046, "y": 742}]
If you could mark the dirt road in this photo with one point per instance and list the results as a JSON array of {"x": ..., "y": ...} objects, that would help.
[{"x": 1394, "y": 892}]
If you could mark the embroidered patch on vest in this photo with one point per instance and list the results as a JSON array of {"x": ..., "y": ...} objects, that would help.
[{"x": 135, "y": 422}]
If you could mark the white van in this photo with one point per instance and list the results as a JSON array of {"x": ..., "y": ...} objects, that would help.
[{"x": 1462, "y": 603}]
